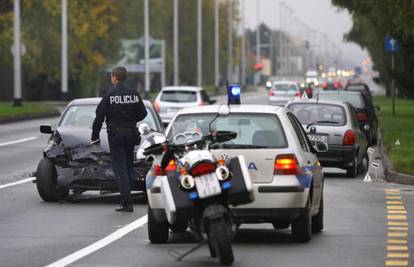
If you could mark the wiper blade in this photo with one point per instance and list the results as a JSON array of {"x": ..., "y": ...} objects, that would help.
[{"x": 242, "y": 146}]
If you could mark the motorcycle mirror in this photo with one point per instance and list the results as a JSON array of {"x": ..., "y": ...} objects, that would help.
[{"x": 144, "y": 129}]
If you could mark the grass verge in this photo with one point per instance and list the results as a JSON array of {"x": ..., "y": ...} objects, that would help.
[
  {"x": 7, "y": 111},
  {"x": 400, "y": 127}
]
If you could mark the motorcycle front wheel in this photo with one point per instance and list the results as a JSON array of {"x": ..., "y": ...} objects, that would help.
[{"x": 221, "y": 236}]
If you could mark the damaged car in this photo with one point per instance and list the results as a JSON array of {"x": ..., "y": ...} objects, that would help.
[{"x": 71, "y": 163}]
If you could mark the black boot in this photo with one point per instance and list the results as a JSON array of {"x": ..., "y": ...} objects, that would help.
[{"x": 125, "y": 209}]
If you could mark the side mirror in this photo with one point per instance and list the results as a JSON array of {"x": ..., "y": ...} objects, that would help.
[
  {"x": 212, "y": 101},
  {"x": 321, "y": 146},
  {"x": 144, "y": 129},
  {"x": 367, "y": 127},
  {"x": 46, "y": 129}
]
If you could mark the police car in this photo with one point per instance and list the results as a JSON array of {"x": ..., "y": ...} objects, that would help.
[{"x": 285, "y": 171}]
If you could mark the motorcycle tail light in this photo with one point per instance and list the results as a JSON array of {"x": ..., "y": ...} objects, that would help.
[
  {"x": 349, "y": 137},
  {"x": 171, "y": 166},
  {"x": 203, "y": 168},
  {"x": 157, "y": 170},
  {"x": 286, "y": 165}
]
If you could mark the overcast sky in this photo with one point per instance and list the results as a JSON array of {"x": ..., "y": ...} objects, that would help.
[{"x": 317, "y": 14}]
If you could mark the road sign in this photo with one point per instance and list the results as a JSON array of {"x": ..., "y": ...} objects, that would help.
[{"x": 392, "y": 45}]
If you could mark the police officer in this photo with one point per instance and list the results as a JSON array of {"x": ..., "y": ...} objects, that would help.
[{"x": 121, "y": 108}]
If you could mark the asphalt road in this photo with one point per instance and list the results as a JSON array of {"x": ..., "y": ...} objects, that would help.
[{"x": 35, "y": 233}]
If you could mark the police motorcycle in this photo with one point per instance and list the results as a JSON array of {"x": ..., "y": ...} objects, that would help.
[{"x": 197, "y": 189}]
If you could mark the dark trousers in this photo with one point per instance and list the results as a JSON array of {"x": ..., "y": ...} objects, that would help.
[{"x": 122, "y": 145}]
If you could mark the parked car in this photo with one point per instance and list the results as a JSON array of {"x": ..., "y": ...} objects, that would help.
[
  {"x": 337, "y": 124},
  {"x": 171, "y": 99},
  {"x": 70, "y": 162},
  {"x": 286, "y": 175},
  {"x": 359, "y": 87},
  {"x": 365, "y": 111},
  {"x": 282, "y": 92}
]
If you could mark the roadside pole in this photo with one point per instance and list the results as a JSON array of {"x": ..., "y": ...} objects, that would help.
[
  {"x": 216, "y": 44},
  {"x": 199, "y": 43},
  {"x": 146, "y": 49},
  {"x": 176, "y": 51},
  {"x": 64, "y": 69},
  {"x": 393, "y": 85},
  {"x": 392, "y": 46},
  {"x": 230, "y": 42},
  {"x": 257, "y": 74},
  {"x": 243, "y": 45},
  {"x": 17, "y": 56}
]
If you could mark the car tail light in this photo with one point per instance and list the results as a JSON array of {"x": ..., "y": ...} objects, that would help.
[
  {"x": 325, "y": 85},
  {"x": 362, "y": 117},
  {"x": 297, "y": 94},
  {"x": 157, "y": 170},
  {"x": 171, "y": 166},
  {"x": 349, "y": 137},
  {"x": 203, "y": 168},
  {"x": 286, "y": 165},
  {"x": 156, "y": 106},
  {"x": 271, "y": 93}
]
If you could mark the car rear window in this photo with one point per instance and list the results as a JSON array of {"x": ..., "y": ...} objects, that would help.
[
  {"x": 264, "y": 130},
  {"x": 355, "y": 99},
  {"x": 357, "y": 88},
  {"x": 179, "y": 96},
  {"x": 325, "y": 114},
  {"x": 286, "y": 87}
]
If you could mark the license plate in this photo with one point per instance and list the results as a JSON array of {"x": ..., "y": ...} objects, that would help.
[
  {"x": 207, "y": 186},
  {"x": 320, "y": 138}
]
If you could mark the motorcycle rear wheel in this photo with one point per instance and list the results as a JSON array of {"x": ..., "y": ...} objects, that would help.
[{"x": 221, "y": 236}]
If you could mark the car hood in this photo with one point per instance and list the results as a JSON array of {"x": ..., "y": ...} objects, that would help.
[{"x": 73, "y": 137}]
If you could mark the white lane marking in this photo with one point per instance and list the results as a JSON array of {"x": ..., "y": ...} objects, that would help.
[
  {"x": 18, "y": 182},
  {"x": 100, "y": 243},
  {"x": 19, "y": 141}
]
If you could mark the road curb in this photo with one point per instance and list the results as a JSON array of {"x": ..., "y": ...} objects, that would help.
[
  {"x": 42, "y": 115},
  {"x": 391, "y": 175}
]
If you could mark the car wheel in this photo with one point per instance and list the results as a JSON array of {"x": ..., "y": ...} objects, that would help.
[
  {"x": 302, "y": 226},
  {"x": 157, "y": 231},
  {"x": 46, "y": 179},
  {"x": 351, "y": 172},
  {"x": 317, "y": 220},
  {"x": 363, "y": 167},
  {"x": 178, "y": 228}
]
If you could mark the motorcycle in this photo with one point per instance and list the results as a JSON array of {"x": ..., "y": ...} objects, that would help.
[{"x": 197, "y": 189}]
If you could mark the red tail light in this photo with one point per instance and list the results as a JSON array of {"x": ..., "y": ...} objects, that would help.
[
  {"x": 157, "y": 170},
  {"x": 271, "y": 93},
  {"x": 286, "y": 165},
  {"x": 156, "y": 106},
  {"x": 362, "y": 117},
  {"x": 297, "y": 94},
  {"x": 171, "y": 166},
  {"x": 349, "y": 137},
  {"x": 203, "y": 168},
  {"x": 325, "y": 85}
]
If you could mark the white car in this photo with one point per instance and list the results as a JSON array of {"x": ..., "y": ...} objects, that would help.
[
  {"x": 173, "y": 98},
  {"x": 286, "y": 175},
  {"x": 282, "y": 92}
]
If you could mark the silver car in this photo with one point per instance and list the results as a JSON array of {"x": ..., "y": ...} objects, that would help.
[
  {"x": 337, "y": 124},
  {"x": 282, "y": 92},
  {"x": 172, "y": 99},
  {"x": 286, "y": 175}
]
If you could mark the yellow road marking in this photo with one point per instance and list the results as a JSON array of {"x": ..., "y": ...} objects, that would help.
[
  {"x": 397, "y": 234},
  {"x": 396, "y": 207},
  {"x": 396, "y": 263},
  {"x": 393, "y": 228},
  {"x": 397, "y": 248},
  {"x": 397, "y": 217},
  {"x": 393, "y": 197},
  {"x": 394, "y": 202},
  {"x": 397, "y": 223},
  {"x": 397, "y": 211},
  {"x": 392, "y": 193},
  {"x": 398, "y": 255},
  {"x": 392, "y": 190},
  {"x": 397, "y": 241}
]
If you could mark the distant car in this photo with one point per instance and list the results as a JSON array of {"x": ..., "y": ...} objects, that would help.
[
  {"x": 312, "y": 76},
  {"x": 283, "y": 92},
  {"x": 286, "y": 175},
  {"x": 337, "y": 124},
  {"x": 365, "y": 110},
  {"x": 359, "y": 87},
  {"x": 331, "y": 85},
  {"x": 172, "y": 99},
  {"x": 70, "y": 162}
]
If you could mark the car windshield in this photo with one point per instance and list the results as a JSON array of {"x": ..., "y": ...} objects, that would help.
[
  {"x": 253, "y": 130},
  {"x": 179, "y": 96},
  {"x": 355, "y": 99},
  {"x": 286, "y": 87},
  {"x": 84, "y": 115},
  {"x": 322, "y": 114}
]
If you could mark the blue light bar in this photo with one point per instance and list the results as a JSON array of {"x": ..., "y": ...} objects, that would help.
[{"x": 233, "y": 93}]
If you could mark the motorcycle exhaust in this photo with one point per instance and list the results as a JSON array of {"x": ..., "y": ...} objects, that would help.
[{"x": 222, "y": 173}]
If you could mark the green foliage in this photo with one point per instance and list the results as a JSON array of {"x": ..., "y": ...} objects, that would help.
[
  {"x": 7, "y": 111},
  {"x": 373, "y": 21}
]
